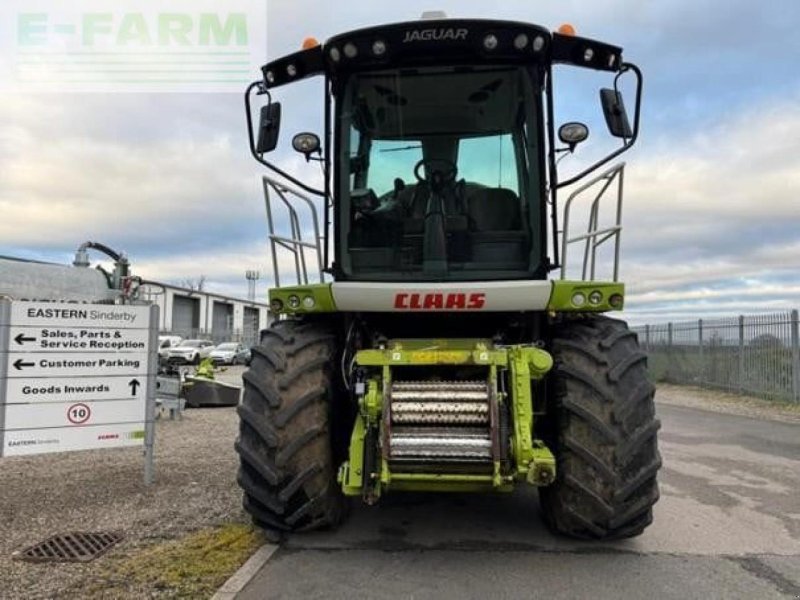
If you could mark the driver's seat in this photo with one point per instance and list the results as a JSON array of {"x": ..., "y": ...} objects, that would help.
[
  {"x": 498, "y": 236},
  {"x": 454, "y": 198},
  {"x": 455, "y": 218}
]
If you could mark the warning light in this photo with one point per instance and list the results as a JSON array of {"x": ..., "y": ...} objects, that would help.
[
  {"x": 310, "y": 42},
  {"x": 566, "y": 29}
]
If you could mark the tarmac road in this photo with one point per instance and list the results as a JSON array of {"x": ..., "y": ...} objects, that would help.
[{"x": 727, "y": 526}]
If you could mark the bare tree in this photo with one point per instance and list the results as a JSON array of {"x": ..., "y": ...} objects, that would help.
[{"x": 195, "y": 285}]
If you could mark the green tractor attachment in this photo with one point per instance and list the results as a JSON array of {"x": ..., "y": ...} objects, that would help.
[{"x": 451, "y": 434}]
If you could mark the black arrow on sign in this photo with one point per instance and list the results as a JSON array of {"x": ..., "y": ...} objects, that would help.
[
  {"x": 134, "y": 383},
  {"x": 18, "y": 365},
  {"x": 21, "y": 339}
]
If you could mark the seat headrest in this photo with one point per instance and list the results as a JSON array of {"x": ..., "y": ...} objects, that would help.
[{"x": 495, "y": 209}]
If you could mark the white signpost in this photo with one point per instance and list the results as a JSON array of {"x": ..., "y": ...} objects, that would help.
[{"x": 77, "y": 377}]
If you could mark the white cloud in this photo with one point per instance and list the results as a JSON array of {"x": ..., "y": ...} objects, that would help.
[{"x": 719, "y": 209}]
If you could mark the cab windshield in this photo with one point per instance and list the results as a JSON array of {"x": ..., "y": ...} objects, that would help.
[{"x": 439, "y": 174}]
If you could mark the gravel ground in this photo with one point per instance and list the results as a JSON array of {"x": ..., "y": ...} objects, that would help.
[
  {"x": 732, "y": 404},
  {"x": 195, "y": 487}
]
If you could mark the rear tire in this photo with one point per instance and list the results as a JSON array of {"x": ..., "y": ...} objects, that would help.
[
  {"x": 603, "y": 432},
  {"x": 287, "y": 468}
]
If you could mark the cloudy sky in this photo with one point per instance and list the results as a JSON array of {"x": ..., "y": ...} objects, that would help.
[{"x": 712, "y": 209}]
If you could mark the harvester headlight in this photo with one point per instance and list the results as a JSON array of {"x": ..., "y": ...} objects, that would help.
[
  {"x": 291, "y": 70},
  {"x": 309, "y": 302},
  {"x": 334, "y": 54},
  {"x": 490, "y": 42},
  {"x": 596, "y": 297},
  {"x": 578, "y": 299},
  {"x": 379, "y": 48},
  {"x": 294, "y": 301},
  {"x": 616, "y": 300},
  {"x": 350, "y": 50},
  {"x": 276, "y": 305},
  {"x": 521, "y": 41},
  {"x": 538, "y": 43},
  {"x": 588, "y": 55},
  {"x": 270, "y": 77}
]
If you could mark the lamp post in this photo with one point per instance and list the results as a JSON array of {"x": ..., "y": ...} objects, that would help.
[{"x": 252, "y": 277}]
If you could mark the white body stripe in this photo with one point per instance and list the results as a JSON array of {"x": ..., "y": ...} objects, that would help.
[{"x": 484, "y": 296}]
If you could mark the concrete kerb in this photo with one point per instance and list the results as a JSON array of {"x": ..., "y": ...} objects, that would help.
[{"x": 242, "y": 577}]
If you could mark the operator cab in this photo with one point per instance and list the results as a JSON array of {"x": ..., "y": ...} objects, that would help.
[
  {"x": 440, "y": 150},
  {"x": 436, "y": 176}
]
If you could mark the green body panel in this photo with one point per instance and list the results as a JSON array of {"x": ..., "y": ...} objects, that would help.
[
  {"x": 532, "y": 460},
  {"x": 351, "y": 474},
  {"x": 433, "y": 352},
  {"x": 320, "y": 292},
  {"x": 561, "y": 299},
  {"x": 442, "y": 482}
]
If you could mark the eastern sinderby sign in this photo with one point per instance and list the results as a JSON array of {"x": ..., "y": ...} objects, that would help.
[{"x": 75, "y": 376}]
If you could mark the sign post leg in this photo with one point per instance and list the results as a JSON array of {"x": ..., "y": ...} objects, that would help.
[{"x": 150, "y": 406}]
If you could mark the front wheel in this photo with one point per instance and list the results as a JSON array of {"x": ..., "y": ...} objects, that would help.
[
  {"x": 287, "y": 466},
  {"x": 604, "y": 433}
]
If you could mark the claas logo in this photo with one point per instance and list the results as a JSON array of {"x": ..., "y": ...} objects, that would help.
[{"x": 435, "y": 301}]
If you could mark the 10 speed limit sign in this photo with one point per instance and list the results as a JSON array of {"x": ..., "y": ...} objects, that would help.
[{"x": 78, "y": 414}]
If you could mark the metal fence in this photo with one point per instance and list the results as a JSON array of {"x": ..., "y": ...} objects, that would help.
[
  {"x": 248, "y": 337},
  {"x": 756, "y": 355}
]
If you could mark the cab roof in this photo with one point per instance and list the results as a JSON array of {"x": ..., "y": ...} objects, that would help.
[{"x": 441, "y": 42}]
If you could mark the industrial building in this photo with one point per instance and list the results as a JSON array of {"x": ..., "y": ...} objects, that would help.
[{"x": 191, "y": 313}]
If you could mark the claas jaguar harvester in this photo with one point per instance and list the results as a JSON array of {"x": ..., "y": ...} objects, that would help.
[{"x": 431, "y": 338}]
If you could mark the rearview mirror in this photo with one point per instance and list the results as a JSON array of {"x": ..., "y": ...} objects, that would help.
[
  {"x": 614, "y": 111},
  {"x": 269, "y": 127}
]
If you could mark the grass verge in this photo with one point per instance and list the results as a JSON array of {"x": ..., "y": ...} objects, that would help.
[{"x": 194, "y": 566}]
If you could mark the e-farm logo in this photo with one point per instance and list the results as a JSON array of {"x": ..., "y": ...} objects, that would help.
[
  {"x": 147, "y": 45},
  {"x": 135, "y": 29}
]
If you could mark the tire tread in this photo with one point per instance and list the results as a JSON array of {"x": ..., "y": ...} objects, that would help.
[
  {"x": 287, "y": 469},
  {"x": 606, "y": 432}
]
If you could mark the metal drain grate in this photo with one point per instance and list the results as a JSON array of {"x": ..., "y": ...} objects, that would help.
[{"x": 70, "y": 547}]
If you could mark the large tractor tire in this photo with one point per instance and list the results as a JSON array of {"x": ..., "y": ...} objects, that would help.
[
  {"x": 287, "y": 465},
  {"x": 603, "y": 432}
]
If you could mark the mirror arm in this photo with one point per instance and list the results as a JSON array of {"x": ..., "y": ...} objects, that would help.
[
  {"x": 310, "y": 158},
  {"x": 251, "y": 138},
  {"x": 628, "y": 144}
]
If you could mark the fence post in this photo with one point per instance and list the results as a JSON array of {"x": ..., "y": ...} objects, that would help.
[
  {"x": 669, "y": 353},
  {"x": 647, "y": 338},
  {"x": 700, "y": 342},
  {"x": 741, "y": 354},
  {"x": 795, "y": 357}
]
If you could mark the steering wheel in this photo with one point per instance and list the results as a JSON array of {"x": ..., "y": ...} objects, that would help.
[{"x": 439, "y": 177}]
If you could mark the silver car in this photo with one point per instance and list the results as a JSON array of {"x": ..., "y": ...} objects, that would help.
[{"x": 229, "y": 353}]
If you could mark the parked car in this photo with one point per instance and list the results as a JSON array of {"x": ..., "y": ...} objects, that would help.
[
  {"x": 230, "y": 353},
  {"x": 165, "y": 342},
  {"x": 190, "y": 351}
]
